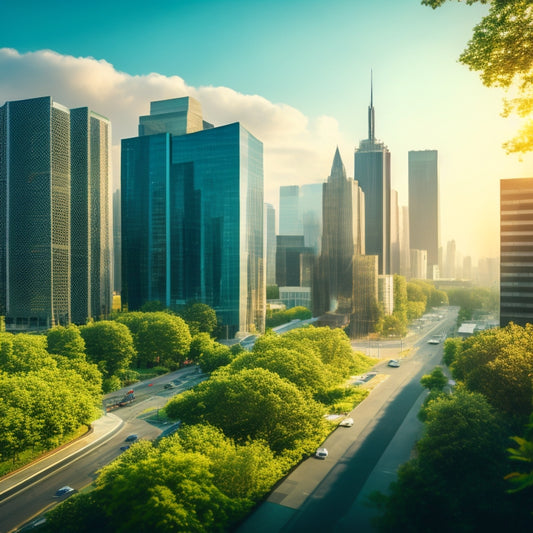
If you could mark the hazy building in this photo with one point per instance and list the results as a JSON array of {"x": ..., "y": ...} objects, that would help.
[
  {"x": 292, "y": 261},
  {"x": 372, "y": 172},
  {"x": 270, "y": 218},
  {"x": 405, "y": 248},
  {"x": 516, "y": 251},
  {"x": 424, "y": 204},
  {"x": 395, "y": 233},
  {"x": 311, "y": 215},
  {"x": 467, "y": 267},
  {"x": 55, "y": 220},
  {"x": 419, "y": 264},
  {"x": 451, "y": 261},
  {"x": 290, "y": 221},
  {"x": 192, "y": 215}
]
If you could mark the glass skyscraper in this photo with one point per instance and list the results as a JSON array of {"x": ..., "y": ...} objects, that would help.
[
  {"x": 54, "y": 253},
  {"x": 372, "y": 171},
  {"x": 192, "y": 216}
]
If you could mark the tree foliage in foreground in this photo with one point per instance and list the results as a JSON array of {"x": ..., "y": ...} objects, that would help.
[
  {"x": 195, "y": 481},
  {"x": 501, "y": 50}
]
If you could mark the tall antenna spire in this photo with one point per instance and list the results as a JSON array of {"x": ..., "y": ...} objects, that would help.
[{"x": 371, "y": 123}]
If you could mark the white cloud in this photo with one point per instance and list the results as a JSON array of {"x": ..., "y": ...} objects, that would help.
[{"x": 297, "y": 149}]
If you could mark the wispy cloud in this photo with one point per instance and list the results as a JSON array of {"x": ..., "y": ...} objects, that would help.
[{"x": 297, "y": 149}]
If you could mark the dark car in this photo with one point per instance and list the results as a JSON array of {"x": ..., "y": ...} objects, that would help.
[
  {"x": 132, "y": 438},
  {"x": 124, "y": 448}
]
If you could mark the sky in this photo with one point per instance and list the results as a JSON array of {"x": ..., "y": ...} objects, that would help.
[{"x": 296, "y": 74}]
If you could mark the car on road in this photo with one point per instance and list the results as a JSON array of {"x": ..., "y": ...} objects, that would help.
[
  {"x": 132, "y": 438},
  {"x": 64, "y": 491},
  {"x": 321, "y": 453},
  {"x": 124, "y": 448},
  {"x": 347, "y": 423},
  {"x": 169, "y": 386},
  {"x": 394, "y": 363},
  {"x": 434, "y": 340}
]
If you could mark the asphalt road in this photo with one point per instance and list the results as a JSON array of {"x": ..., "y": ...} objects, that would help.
[
  {"x": 31, "y": 501},
  {"x": 329, "y": 495}
]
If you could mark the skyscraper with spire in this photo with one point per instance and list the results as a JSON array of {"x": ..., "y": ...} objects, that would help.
[{"x": 372, "y": 172}]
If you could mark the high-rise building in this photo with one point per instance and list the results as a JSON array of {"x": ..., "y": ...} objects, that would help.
[
  {"x": 405, "y": 249},
  {"x": 192, "y": 215},
  {"x": 342, "y": 239},
  {"x": 516, "y": 251},
  {"x": 270, "y": 214},
  {"x": 419, "y": 264},
  {"x": 451, "y": 260},
  {"x": 395, "y": 233},
  {"x": 372, "y": 172},
  {"x": 117, "y": 246},
  {"x": 424, "y": 204},
  {"x": 55, "y": 226},
  {"x": 290, "y": 221},
  {"x": 311, "y": 214},
  {"x": 91, "y": 216}
]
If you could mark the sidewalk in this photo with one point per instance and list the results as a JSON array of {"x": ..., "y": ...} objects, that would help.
[{"x": 26, "y": 475}]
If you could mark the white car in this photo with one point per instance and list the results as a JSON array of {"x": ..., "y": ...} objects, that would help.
[
  {"x": 347, "y": 423},
  {"x": 434, "y": 340},
  {"x": 321, "y": 453}
]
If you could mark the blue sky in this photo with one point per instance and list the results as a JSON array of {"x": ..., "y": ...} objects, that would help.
[{"x": 296, "y": 73}]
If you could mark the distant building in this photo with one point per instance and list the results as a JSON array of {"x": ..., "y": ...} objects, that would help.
[
  {"x": 290, "y": 221},
  {"x": 292, "y": 261},
  {"x": 405, "y": 248},
  {"x": 450, "y": 271},
  {"x": 373, "y": 173},
  {"x": 419, "y": 264},
  {"x": 192, "y": 215},
  {"x": 270, "y": 216},
  {"x": 117, "y": 246},
  {"x": 424, "y": 204},
  {"x": 55, "y": 214},
  {"x": 296, "y": 297},
  {"x": 516, "y": 251},
  {"x": 395, "y": 234}
]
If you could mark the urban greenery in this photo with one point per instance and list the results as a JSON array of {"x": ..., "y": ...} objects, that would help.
[
  {"x": 277, "y": 318},
  {"x": 464, "y": 471}
]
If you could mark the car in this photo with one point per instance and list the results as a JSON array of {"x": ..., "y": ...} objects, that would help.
[
  {"x": 64, "y": 491},
  {"x": 169, "y": 386},
  {"x": 434, "y": 340},
  {"x": 394, "y": 363},
  {"x": 132, "y": 438},
  {"x": 124, "y": 448},
  {"x": 321, "y": 453},
  {"x": 347, "y": 423}
]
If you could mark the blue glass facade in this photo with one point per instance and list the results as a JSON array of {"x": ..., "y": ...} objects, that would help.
[{"x": 192, "y": 223}]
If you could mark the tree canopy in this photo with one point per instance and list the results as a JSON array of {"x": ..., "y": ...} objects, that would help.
[{"x": 501, "y": 50}]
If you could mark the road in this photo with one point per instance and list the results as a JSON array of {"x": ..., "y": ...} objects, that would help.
[
  {"x": 30, "y": 501},
  {"x": 328, "y": 496}
]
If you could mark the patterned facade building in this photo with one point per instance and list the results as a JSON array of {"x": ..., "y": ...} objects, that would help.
[
  {"x": 192, "y": 215},
  {"x": 54, "y": 168}
]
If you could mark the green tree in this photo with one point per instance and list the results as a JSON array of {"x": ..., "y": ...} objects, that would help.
[
  {"x": 435, "y": 381},
  {"x": 109, "y": 345},
  {"x": 501, "y": 51},
  {"x": 251, "y": 404},
  {"x": 66, "y": 341},
  {"x": 452, "y": 347},
  {"x": 200, "y": 318}
]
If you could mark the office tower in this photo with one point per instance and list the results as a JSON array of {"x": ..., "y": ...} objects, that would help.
[
  {"x": 450, "y": 262},
  {"x": 342, "y": 239},
  {"x": 117, "y": 247},
  {"x": 372, "y": 172},
  {"x": 516, "y": 249},
  {"x": 192, "y": 215},
  {"x": 270, "y": 216},
  {"x": 54, "y": 214},
  {"x": 419, "y": 264},
  {"x": 290, "y": 261},
  {"x": 311, "y": 215},
  {"x": 290, "y": 222},
  {"x": 424, "y": 204},
  {"x": 405, "y": 249},
  {"x": 395, "y": 233},
  {"x": 91, "y": 216},
  {"x": 365, "y": 296}
]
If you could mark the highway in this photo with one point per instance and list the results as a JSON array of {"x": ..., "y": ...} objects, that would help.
[
  {"x": 328, "y": 495},
  {"x": 30, "y": 501}
]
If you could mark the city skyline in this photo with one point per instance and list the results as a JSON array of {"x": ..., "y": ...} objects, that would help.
[{"x": 271, "y": 67}]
